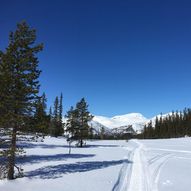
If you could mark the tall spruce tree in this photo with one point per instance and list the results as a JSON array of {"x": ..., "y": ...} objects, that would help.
[
  {"x": 19, "y": 85},
  {"x": 50, "y": 126},
  {"x": 71, "y": 124},
  {"x": 77, "y": 122},
  {"x": 60, "y": 111},
  {"x": 84, "y": 117},
  {"x": 41, "y": 119},
  {"x": 56, "y": 123}
]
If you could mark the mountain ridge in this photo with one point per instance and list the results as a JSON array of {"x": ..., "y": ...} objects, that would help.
[{"x": 137, "y": 120}]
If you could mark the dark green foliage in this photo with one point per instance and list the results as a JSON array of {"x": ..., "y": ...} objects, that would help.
[
  {"x": 72, "y": 123},
  {"x": 84, "y": 117},
  {"x": 77, "y": 122},
  {"x": 60, "y": 113},
  {"x": 19, "y": 85},
  {"x": 56, "y": 128},
  {"x": 41, "y": 119},
  {"x": 178, "y": 124}
]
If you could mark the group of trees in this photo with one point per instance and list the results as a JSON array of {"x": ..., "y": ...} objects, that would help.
[
  {"x": 19, "y": 86},
  {"x": 55, "y": 125},
  {"x": 176, "y": 124},
  {"x": 44, "y": 122},
  {"x": 22, "y": 110}
]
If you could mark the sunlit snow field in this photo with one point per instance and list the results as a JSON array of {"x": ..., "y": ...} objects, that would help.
[{"x": 138, "y": 165}]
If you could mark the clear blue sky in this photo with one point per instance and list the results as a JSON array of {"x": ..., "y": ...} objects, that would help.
[{"x": 121, "y": 55}]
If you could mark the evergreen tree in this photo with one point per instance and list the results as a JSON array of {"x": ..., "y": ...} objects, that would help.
[
  {"x": 56, "y": 124},
  {"x": 41, "y": 119},
  {"x": 102, "y": 133},
  {"x": 84, "y": 117},
  {"x": 72, "y": 123},
  {"x": 91, "y": 132},
  {"x": 77, "y": 122},
  {"x": 60, "y": 111},
  {"x": 19, "y": 85},
  {"x": 50, "y": 126},
  {"x": 177, "y": 124}
]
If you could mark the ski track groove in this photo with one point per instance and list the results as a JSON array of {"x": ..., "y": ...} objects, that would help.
[
  {"x": 123, "y": 177},
  {"x": 157, "y": 157},
  {"x": 139, "y": 178},
  {"x": 138, "y": 175},
  {"x": 156, "y": 173}
]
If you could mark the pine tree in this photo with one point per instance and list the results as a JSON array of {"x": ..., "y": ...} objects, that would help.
[
  {"x": 157, "y": 128},
  {"x": 60, "y": 111},
  {"x": 56, "y": 124},
  {"x": 19, "y": 84},
  {"x": 84, "y": 117},
  {"x": 77, "y": 122},
  {"x": 50, "y": 126},
  {"x": 41, "y": 119},
  {"x": 71, "y": 124},
  {"x": 177, "y": 124}
]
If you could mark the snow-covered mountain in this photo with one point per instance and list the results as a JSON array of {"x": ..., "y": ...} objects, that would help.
[
  {"x": 97, "y": 127},
  {"x": 137, "y": 121}
]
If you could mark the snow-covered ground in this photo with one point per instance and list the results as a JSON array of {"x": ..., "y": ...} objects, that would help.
[{"x": 136, "y": 165}]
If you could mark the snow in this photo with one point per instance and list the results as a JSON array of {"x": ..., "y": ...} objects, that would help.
[
  {"x": 136, "y": 165},
  {"x": 137, "y": 120},
  {"x": 48, "y": 166}
]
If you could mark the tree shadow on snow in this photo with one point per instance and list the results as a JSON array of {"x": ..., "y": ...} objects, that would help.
[
  {"x": 52, "y": 172},
  {"x": 97, "y": 146},
  {"x": 43, "y": 158},
  {"x": 25, "y": 145},
  {"x": 41, "y": 145}
]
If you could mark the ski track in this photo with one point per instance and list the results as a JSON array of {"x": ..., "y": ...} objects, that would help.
[
  {"x": 171, "y": 150},
  {"x": 139, "y": 178},
  {"x": 157, "y": 169},
  {"x": 138, "y": 175},
  {"x": 122, "y": 181}
]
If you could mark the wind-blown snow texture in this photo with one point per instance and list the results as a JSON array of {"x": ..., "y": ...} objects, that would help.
[{"x": 137, "y": 165}]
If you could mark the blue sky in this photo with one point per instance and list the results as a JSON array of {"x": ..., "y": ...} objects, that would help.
[{"x": 122, "y": 56}]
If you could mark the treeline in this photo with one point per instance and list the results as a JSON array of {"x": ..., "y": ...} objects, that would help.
[
  {"x": 44, "y": 122},
  {"x": 176, "y": 124}
]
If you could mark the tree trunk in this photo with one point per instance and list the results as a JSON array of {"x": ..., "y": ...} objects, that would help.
[
  {"x": 81, "y": 142},
  {"x": 11, "y": 158}
]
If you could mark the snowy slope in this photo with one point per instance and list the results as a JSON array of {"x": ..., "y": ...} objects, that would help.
[
  {"x": 137, "y": 120},
  {"x": 97, "y": 127}
]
